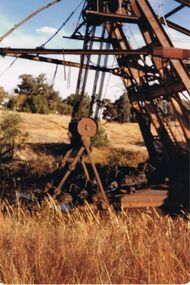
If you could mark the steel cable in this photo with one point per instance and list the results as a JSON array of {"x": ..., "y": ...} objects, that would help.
[
  {"x": 28, "y": 18},
  {"x": 11, "y": 64},
  {"x": 63, "y": 24}
]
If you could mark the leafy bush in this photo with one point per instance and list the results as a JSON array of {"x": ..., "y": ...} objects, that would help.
[
  {"x": 10, "y": 135},
  {"x": 122, "y": 157},
  {"x": 64, "y": 109},
  {"x": 100, "y": 138}
]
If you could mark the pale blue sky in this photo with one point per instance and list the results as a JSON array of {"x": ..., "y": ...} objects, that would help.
[{"x": 37, "y": 30}]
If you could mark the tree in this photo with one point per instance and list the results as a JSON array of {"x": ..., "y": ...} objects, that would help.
[
  {"x": 64, "y": 109},
  {"x": 35, "y": 95},
  {"x": 15, "y": 103},
  {"x": 123, "y": 108},
  {"x": 3, "y": 95},
  {"x": 119, "y": 111},
  {"x": 70, "y": 101},
  {"x": 110, "y": 111}
]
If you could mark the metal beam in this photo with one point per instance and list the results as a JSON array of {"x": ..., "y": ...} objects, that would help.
[
  {"x": 184, "y": 2},
  {"x": 37, "y": 51},
  {"x": 164, "y": 41},
  {"x": 156, "y": 91},
  {"x": 112, "y": 17},
  {"x": 175, "y": 26},
  {"x": 82, "y": 38},
  {"x": 168, "y": 52},
  {"x": 174, "y": 11},
  {"x": 171, "y": 52},
  {"x": 115, "y": 71}
]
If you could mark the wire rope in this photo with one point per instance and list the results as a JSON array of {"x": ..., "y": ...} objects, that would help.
[
  {"x": 11, "y": 64},
  {"x": 54, "y": 75},
  {"x": 63, "y": 24},
  {"x": 28, "y": 18}
]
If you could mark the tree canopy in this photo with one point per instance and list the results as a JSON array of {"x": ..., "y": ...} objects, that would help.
[
  {"x": 34, "y": 94},
  {"x": 70, "y": 101},
  {"x": 119, "y": 111}
]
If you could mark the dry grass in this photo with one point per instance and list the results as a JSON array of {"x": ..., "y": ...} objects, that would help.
[
  {"x": 43, "y": 129},
  {"x": 87, "y": 247}
]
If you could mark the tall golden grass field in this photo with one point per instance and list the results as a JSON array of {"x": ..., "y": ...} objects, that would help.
[{"x": 88, "y": 247}]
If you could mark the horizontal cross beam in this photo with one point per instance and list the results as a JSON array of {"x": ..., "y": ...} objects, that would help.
[
  {"x": 114, "y": 16},
  {"x": 115, "y": 71},
  {"x": 167, "y": 52},
  {"x": 37, "y": 51}
]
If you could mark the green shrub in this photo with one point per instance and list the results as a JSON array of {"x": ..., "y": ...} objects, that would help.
[
  {"x": 121, "y": 157},
  {"x": 10, "y": 135},
  {"x": 101, "y": 138}
]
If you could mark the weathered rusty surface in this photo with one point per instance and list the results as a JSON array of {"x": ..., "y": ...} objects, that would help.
[
  {"x": 37, "y": 51},
  {"x": 171, "y": 52},
  {"x": 114, "y": 17},
  {"x": 167, "y": 52},
  {"x": 115, "y": 71},
  {"x": 87, "y": 127},
  {"x": 164, "y": 41}
]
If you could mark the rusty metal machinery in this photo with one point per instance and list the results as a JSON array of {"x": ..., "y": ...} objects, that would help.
[
  {"x": 81, "y": 132},
  {"x": 153, "y": 73}
]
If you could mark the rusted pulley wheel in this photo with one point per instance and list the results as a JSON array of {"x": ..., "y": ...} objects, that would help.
[{"x": 87, "y": 127}]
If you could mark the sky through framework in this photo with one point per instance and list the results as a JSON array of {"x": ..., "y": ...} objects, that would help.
[{"x": 36, "y": 31}]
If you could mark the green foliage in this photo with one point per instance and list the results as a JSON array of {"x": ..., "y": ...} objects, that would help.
[
  {"x": 123, "y": 108},
  {"x": 13, "y": 103},
  {"x": 119, "y": 111},
  {"x": 3, "y": 95},
  {"x": 110, "y": 111},
  {"x": 10, "y": 135},
  {"x": 121, "y": 157},
  {"x": 101, "y": 138},
  {"x": 37, "y": 104},
  {"x": 70, "y": 101},
  {"x": 35, "y": 95},
  {"x": 64, "y": 109}
]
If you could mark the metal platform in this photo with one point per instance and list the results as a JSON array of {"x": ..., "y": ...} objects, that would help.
[{"x": 144, "y": 198}]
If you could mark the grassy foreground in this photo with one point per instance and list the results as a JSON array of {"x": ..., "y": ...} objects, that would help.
[{"x": 87, "y": 247}]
